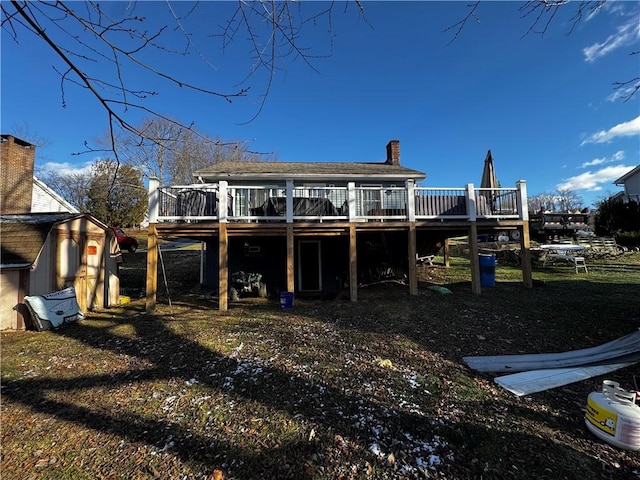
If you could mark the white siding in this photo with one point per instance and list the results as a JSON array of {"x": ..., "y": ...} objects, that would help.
[
  {"x": 632, "y": 185},
  {"x": 44, "y": 200}
]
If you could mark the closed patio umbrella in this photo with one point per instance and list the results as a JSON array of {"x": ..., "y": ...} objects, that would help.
[
  {"x": 489, "y": 179},
  {"x": 489, "y": 174}
]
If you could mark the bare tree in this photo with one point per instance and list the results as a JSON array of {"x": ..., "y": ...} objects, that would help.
[
  {"x": 559, "y": 201},
  {"x": 568, "y": 201},
  {"x": 171, "y": 152},
  {"x": 195, "y": 152},
  {"x": 73, "y": 187},
  {"x": 541, "y": 202}
]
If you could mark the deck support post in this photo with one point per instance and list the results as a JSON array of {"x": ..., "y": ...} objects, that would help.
[
  {"x": 473, "y": 258},
  {"x": 152, "y": 268},
  {"x": 353, "y": 263},
  {"x": 445, "y": 252},
  {"x": 291, "y": 284},
  {"x": 223, "y": 268},
  {"x": 525, "y": 255},
  {"x": 525, "y": 241},
  {"x": 413, "y": 270}
]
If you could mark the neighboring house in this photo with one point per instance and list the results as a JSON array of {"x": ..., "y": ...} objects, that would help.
[
  {"x": 46, "y": 244},
  {"x": 44, "y": 199},
  {"x": 314, "y": 228},
  {"x": 45, "y": 252},
  {"x": 631, "y": 183}
]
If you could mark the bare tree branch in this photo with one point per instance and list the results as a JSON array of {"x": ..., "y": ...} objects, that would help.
[
  {"x": 459, "y": 26},
  {"x": 84, "y": 34},
  {"x": 541, "y": 14}
]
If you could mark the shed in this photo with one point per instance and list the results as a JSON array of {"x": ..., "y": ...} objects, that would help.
[{"x": 45, "y": 252}]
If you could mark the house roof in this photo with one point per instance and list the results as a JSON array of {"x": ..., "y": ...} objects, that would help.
[
  {"x": 623, "y": 178},
  {"x": 57, "y": 198},
  {"x": 22, "y": 236},
  {"x": 307, "y": 171}
]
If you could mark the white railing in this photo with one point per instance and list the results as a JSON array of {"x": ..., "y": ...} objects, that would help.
[{"x": 288, "y": 203}]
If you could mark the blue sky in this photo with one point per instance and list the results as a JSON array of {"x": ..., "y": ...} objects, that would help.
[{"x": 544, "y": 104}]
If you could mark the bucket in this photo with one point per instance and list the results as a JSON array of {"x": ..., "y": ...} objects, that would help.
[
  {"x": 487, "y": 270},
  {"x": 286, "y": 299}
]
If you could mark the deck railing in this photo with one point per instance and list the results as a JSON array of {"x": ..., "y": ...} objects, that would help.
[{"x": 222, "y": 202}]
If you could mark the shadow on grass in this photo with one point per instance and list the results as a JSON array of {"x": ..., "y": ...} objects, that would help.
[{"x": 327, "y": 409}]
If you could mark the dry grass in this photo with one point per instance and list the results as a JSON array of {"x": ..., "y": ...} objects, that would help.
[{"x": 329, "y": 389}]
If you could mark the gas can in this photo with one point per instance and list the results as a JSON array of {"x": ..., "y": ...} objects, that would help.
[{"x": 613, "y": 416}]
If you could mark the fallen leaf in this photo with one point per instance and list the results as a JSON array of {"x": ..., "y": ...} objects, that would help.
[{"x": 216, "y": 475}]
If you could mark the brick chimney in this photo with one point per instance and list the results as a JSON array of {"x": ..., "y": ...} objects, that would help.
[
  {"x": 16, "y": 175},
  {"x": 393, "y": 152}
]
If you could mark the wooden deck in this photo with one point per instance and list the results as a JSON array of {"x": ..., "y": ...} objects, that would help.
[{"x": 445, "y": 212}]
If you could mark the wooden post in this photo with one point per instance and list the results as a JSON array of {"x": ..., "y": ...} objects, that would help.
[
  {"x": 413, "y": 270},
  {"x": 473, "y": 257},
  {"x": 152, "y": 268},
  {"x": 445, "y": 252},
  {"x": 525, "y": 242},
  {"x": 353, "y": 263},
  {"x": 291, "y": 282},
  {"x": 223, "y": 268},
  {"x": 525, "y": 255}
]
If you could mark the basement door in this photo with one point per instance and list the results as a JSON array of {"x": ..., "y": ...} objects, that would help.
[{"x": 309, "y": 266}]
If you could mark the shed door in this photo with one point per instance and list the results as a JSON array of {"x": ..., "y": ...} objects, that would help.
[
  {"x": 95, "y": 281},
  {"x": 309, "y": 266}
]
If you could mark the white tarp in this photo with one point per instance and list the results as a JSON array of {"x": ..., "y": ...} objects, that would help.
[
  {"x": 626, "y": 345},
  {"x": 525, "y": 383},
  {"x": 54, "y": 309}
]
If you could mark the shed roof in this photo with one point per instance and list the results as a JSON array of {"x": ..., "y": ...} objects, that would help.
[
  {"x": 307, "y": 171},
  {"x": 22, "y": 236}
]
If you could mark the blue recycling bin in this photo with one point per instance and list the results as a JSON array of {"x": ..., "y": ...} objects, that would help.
[
  {"x": 286, "y": 299},
  {"x": 487, "y": 270}
]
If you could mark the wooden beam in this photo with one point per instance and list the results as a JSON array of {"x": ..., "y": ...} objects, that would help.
[
  {"x": 353, "y": 264},
  {"x": 413, "y": 269},
  {"x": 223, "y": 268},
  {"x": 152, "y": 268},
  {"x": 291, "y": 279},
  {"x": 525, "y": 255},
  {"x": 473, "y": 257}
]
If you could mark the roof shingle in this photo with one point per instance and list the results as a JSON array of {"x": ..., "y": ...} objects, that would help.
[
  {"x": 22, "y": 236},
  {"x": 301, "y": 170}
]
